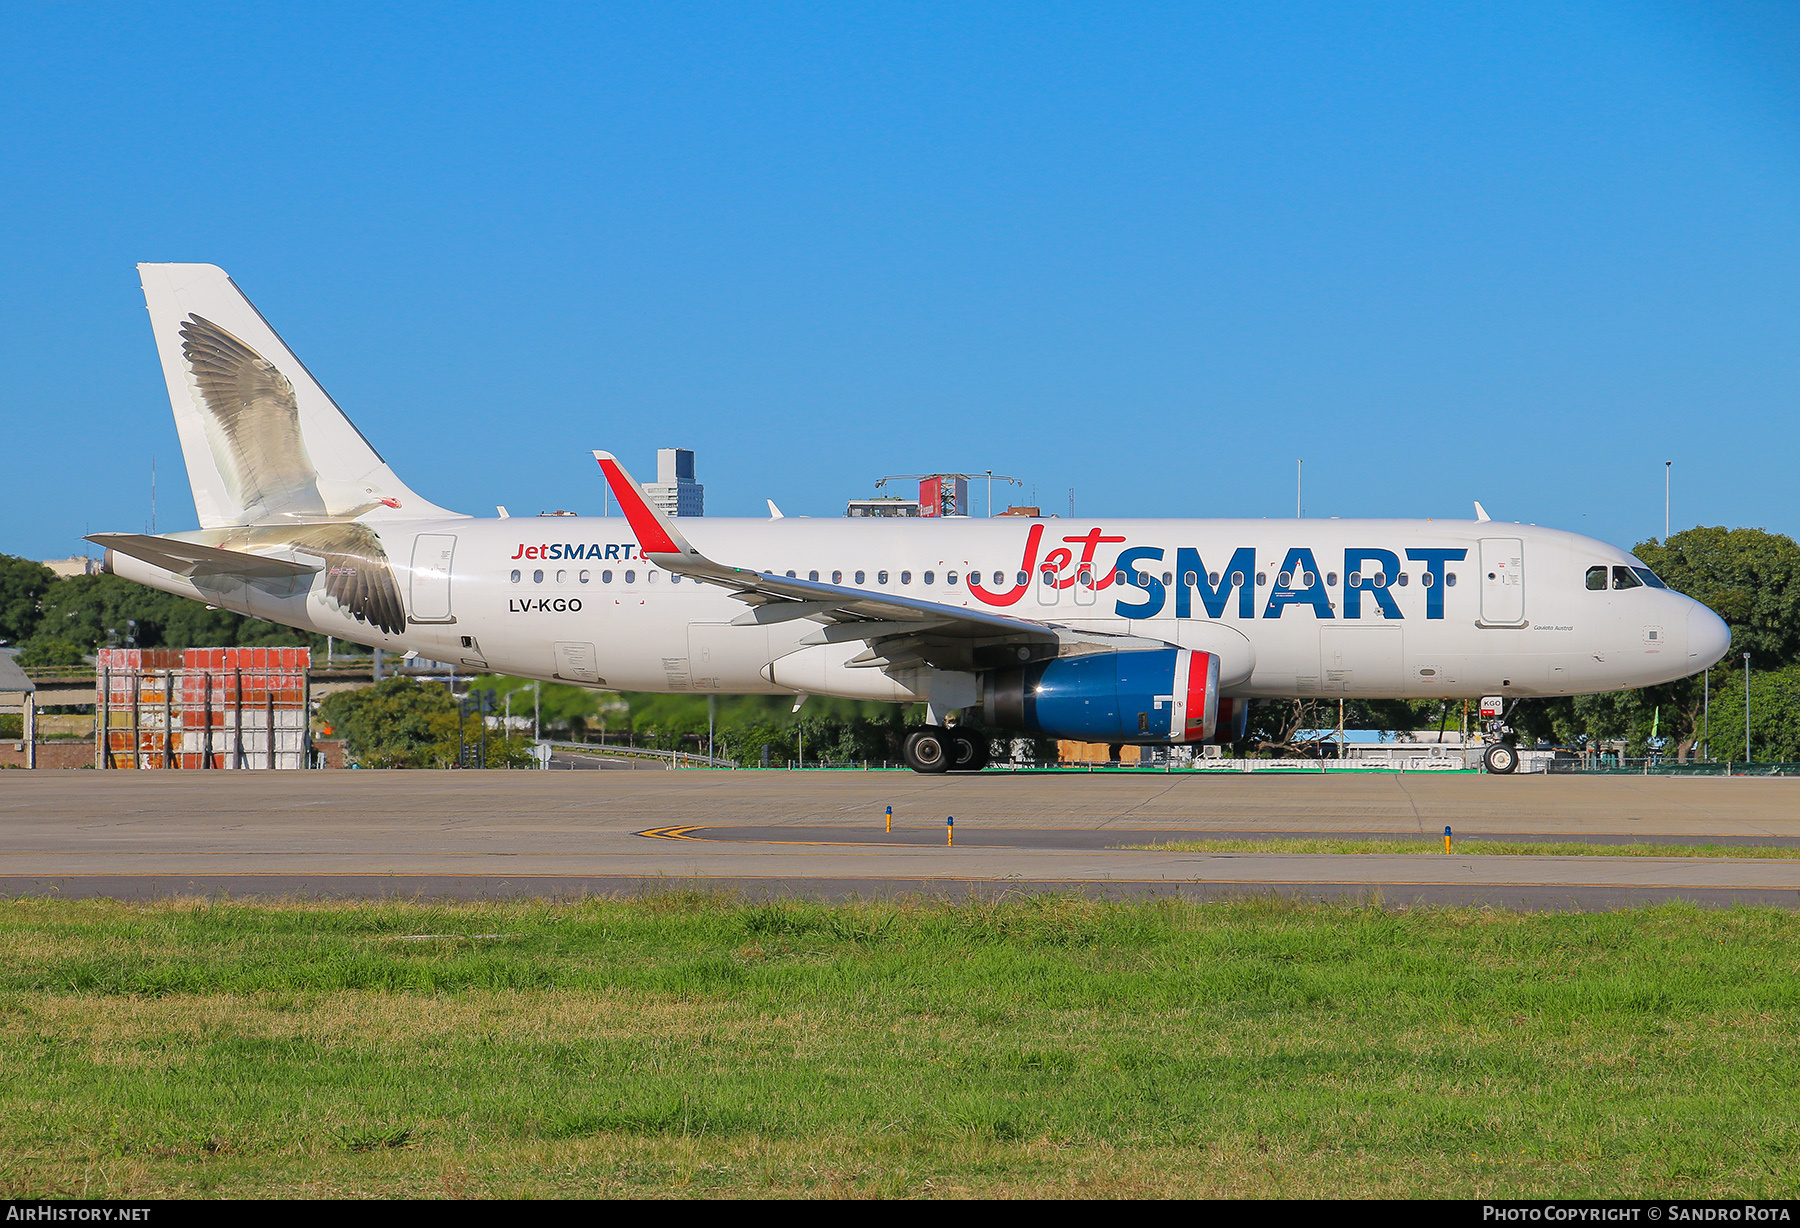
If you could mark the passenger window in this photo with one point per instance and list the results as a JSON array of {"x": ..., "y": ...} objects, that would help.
[
  {"x": 1262, "y": 578},
  {"x": 1427, "y": 580},
  {"x": 1331, "y": 578},
  {"x": 562, "y": 577},
  {"x": 931, "y": 577},
  {"x": 515, "y": 577},
  {"x": 1381, "y": 579},
  {"x": 1403, "y": 579},
  {"x": 1023, "y": 578},
  {"x": 1450, "y": 579},
  {"x": 1143, "y": 579},
  {"x": 906, "y": 577},
  {"x": 1306, "y": 579},
  {"x": 813, "y": 576},
  {"x": 537, "y": 577},
  {"x": 1168, "y": 577},
  {"x": 837, "y": 577},
  {"x": 651, "y": 575},
  {"x": 583, "y": 577},
  {"x": 1237, "y": 579},
  {"x": 1190, "y": 579},
  {"x": 790, "y": 575},
  {"x": 1649, "y": 577},
  {"x": 1285, "y": 579},
  {"x": 1624, "y": 577},
  {"x": 950, "y": 578},
  {"x": 881, "y": 577},
  {"x": 674, "y": 577},
  {"x": 859, "y": 576},
  {"x": 1049, "y": 577},
  {"x": 1596, "y": 579},
  {"x": 631, "y": 577},
  {"x": 606, "y": 577}
]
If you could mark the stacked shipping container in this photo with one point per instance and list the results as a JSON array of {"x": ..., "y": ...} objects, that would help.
[{"x": 203, "y": 708}]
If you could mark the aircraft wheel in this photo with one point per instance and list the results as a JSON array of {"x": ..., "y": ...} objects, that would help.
[
  {"x": 968, "y": 751},
  {"x": 1500, "y": 759},
  {"x": 927, "y": 750}
]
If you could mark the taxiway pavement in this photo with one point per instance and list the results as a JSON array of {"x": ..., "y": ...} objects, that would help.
[{"x": 484, "y": 834}]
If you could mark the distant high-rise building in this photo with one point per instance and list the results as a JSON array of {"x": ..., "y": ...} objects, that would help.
[{"x": 675, "y": 493}]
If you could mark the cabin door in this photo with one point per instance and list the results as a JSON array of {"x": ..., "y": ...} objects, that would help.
[
  {"x": 432, "y": 553},
  {"x": 1502, "y": 581}
]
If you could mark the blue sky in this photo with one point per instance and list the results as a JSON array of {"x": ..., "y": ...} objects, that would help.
[{"x": 1521, "y": 252}]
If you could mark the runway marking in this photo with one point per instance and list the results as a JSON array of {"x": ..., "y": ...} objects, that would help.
[{"x": 670, "y": 833}]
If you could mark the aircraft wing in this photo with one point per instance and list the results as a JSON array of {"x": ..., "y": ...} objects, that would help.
[
  {"x": 899, "y": 630},
  {"x": 193, "y": 559}
]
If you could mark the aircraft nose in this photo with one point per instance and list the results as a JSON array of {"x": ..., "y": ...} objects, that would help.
[{"x": 1709, "y": 638}]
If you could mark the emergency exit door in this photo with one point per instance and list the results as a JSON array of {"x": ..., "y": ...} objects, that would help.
[
  {"x": 1502, "y": 581},
  {"x": 432, "y": 554}
]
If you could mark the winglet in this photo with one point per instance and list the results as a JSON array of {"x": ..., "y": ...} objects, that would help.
[
  {"x": 654, "y": 532},
  {"x": 1481, "y": 512},
  {"x": 774, "y": 512}
]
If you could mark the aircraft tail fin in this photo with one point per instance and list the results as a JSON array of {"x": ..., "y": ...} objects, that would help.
[{"x": 264, "y": 443}]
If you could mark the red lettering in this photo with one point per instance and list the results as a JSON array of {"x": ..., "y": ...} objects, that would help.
[
  {"x": 531, "y": 552},
  {"x": 521, "y": 553},
  {"x": 1088, "y": 543},
  {"x": 1027, "y": 568}
]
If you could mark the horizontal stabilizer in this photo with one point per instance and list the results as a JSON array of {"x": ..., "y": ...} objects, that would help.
[{"x": 193, "y": 559}]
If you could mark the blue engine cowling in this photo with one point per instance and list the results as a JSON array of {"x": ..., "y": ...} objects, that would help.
[
  {"x": 1135, "y": 695},
  {"x": 1234, "y": 721}
]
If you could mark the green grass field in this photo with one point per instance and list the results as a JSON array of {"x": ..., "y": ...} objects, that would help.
[
  {"x": 1434, "y": 845},
  {"x": 688, "y": 1045}
]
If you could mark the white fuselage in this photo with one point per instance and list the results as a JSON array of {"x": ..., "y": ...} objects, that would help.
[{"x": 568, "y": 598}]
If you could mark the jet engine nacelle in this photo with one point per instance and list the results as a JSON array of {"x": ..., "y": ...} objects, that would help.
[{"x": 1132, "y": 695}]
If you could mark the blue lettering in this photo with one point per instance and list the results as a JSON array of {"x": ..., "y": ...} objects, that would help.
[
  {"x": 1387, "y": 566},
  {"x": 1434, "y": 561},
  {"x": 1154, "y": 594},
  {"x": 1241, "y": 569},
  {"x": 612, "y": 552},
  {"x": 1298, "y": 568}
]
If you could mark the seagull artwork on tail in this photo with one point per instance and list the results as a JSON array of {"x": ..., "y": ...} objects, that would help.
[{"x": 253, "y": 427}]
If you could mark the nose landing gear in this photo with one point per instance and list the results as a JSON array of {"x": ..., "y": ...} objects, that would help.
[{"x": 1500, "y": 758}]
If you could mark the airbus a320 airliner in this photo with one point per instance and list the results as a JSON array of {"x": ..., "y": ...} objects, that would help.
[{"x": 1120, "y": 631}]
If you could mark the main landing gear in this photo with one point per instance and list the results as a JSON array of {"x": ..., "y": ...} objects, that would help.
[{"x": 932, "y": 749}]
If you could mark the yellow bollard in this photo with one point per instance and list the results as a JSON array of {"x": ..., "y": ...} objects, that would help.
[
  {"x": 950, "y": 831},
  {"x": 890, "y": 821},
  {"x": 1446, "y": 837}
]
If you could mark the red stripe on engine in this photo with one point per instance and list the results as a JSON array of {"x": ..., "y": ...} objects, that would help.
[{"x": 1199, "y": 667}]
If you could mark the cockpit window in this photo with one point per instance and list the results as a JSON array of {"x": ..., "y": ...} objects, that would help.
[
  {"x": 1596, "y": 579},
  {"x": 1649, "y": 577},
  {"x": 1624, "y": 577}
]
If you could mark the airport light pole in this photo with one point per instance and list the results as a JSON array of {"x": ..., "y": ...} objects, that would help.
[
  {"x": 1706, "y": 713},
  {"x": 1747, "y": 708}
]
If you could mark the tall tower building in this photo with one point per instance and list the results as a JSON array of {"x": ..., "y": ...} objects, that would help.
[{"x": 675, "y": 493}]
